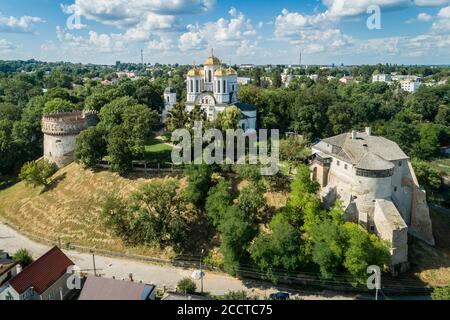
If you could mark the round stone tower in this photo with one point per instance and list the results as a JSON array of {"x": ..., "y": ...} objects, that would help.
[{"x": 60, "y": 132}]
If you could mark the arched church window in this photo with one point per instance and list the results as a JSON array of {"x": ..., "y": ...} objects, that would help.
[{"x": 209, "y": 76}]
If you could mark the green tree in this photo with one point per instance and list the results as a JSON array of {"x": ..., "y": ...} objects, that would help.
[
  {"x": 362, "y": 250},
  {"x": 115, "y": 216},
  {"x": 199, "y": 183},
  {"x": 23, "y": 257},
  {"x": 428, "y": 177},
  {"x": 119, "y": 151},
  {"x": 90, "y": 147},
  {"x": 59, "y": 105},
  {"x": 237, "y": 233},
  {"x": 160, "y": 215},
  {"x": 177, "y": 117},
  {"x": 186, "y": 286},
  {"x": 252, "y": 201},
  {"x": 112, "y": 113},
  {"x": 278, "y": 250},
  {"x": 219, "y": 199},
  {"x": 38, "y": 173}
]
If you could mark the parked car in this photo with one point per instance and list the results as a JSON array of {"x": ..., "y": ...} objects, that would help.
[{"x": 280, "y": 296}]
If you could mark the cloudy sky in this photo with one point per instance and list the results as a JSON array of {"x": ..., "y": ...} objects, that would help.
[{"x": 251, "y": 31}]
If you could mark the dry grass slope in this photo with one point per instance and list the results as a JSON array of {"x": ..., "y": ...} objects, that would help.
[{"x": 69, "y": 211}]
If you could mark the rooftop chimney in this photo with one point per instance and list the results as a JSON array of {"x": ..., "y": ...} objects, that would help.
[
  {"x": 354, "y": 134},
  {"x": 369, "y": 131}
]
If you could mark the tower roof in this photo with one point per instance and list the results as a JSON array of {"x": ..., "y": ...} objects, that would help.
[
  {"x": 212, "y": 61},
  {"x": 231, "y": 71},
  {"x": 220, "y": 73}
]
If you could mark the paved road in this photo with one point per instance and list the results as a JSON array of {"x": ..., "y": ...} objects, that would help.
[{"x": 11, "y": 241}]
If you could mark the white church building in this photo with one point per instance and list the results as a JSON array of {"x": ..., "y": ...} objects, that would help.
[{"x": 214, "y": 88}]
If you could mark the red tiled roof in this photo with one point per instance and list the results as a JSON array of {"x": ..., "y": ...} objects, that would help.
[{"x": 42, "y": 273}]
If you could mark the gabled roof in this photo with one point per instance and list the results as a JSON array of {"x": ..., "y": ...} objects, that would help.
[
  {"x": 367, "y": 152},
  {"x": 96, "y": 288},
  {"x": 42, "y": 273}
]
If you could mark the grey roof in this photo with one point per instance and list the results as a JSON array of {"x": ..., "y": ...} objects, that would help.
[
  {"x": 366, "y": 152},
  {"x": 392, "y": 216},
  {"x": 170, "y": 90},
  {"x": 96, "y": 288},
  {"x": 245, "y": 106}
]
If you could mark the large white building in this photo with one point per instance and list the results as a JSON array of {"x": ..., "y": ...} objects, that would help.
[
  {"x": 214, "y": 88},
  {"x": 382, "y": 78},
  {"x": 376, "y": 182},
  {"x": 410, "y": 85}
]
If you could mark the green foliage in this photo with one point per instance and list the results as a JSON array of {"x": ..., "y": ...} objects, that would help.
[
  {"x": 119, "y": 151},
  {"x": 237, "y": 233},
  {"x": 428, "y": 177},
  {"x": 59, "y": 105},
  {"x": 441, "y": 293},
  {"x": 248, "y": 171},
  {"x": 280, "y": 249},
  {"x": 90, "y": 147},
  {"x": 23, "y": 257},
  {"x": 229, "y": 119},
  {"x": 199, "y": 183},
  {"x": 252, "y": 201},
  {"x": 186, "y": 286},
  {"x": 362, "y": 250},
  {"x": 237, "y": 296},
  {"x": 177, "y": 117},
  {"x": 219, "y": 199},
  {"x": 328, "y": 247},
  {"x": 38, "y": 173},
  {"x": 156, "y": 215}
]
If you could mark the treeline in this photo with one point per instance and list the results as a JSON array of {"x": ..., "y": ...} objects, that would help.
[{"x": 419, "y": 123}]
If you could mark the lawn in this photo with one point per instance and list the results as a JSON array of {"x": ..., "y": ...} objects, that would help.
[
  {"x": 441, "y": 165},
  {"x": 158, "y": 152}
]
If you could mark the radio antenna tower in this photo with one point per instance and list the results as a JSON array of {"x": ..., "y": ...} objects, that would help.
[{"x": 142, "y": 56}]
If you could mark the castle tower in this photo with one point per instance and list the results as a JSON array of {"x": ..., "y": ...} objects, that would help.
[{"x": 60, "y": 132}]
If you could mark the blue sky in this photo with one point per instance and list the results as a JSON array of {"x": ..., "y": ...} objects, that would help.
[{"x": 253, "y": 31}]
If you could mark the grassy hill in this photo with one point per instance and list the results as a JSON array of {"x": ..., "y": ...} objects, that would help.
[{"x": 69, "y": 209}]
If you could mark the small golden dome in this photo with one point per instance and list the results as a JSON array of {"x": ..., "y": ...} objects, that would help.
[
  {"x": 212, "y": 61},
  {"x": 231, "y": 72},
  {"x": 195, "y": 73},
  {"x": 220, "y": 73}
]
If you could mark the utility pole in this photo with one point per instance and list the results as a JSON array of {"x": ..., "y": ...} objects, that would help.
[
  {"x": 142, "y": 56},
  {"x": 201, "y": 270},
  {"x": 93, "y": 261}
]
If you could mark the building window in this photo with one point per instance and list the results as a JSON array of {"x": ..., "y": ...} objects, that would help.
[
  {"x": 209, "y": 76},
  {"x": 192, "y": 85},
  {"x": 197, "y": 86},
  {"x": 400, "y": 164},
  {"x": 338, "y": 163},
  {"x": 346, "y": 167},
  {"x": 224, "y": 88},
  {"x": 395, "y": 189}
]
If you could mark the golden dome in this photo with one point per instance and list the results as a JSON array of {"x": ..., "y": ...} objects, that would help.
[
  {"x": 220, "y": 73},
  {"x": 195, "y": 73},
  {"x": 231, "y": 72},
  {"x": 212, "y": 61}
]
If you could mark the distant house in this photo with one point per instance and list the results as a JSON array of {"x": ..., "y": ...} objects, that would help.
[
  {"x": 382, "y": 78},
  {"x": 243, "y": 80},
  {"x": 44, "y": 279},
  {"x": 175, "y": 296},
  {"x": 410, "y": 85},
  {"x": 8, "y": 268},
  {"x": 346, "y": 79},
  {"x": 96, "y": 288}
]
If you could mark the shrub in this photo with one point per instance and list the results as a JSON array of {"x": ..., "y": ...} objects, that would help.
[
  {"x": 186, "y": 286},
  {"x": 23, "y": 257}
]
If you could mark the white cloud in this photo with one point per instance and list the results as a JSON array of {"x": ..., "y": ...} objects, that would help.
[
  {"x": 247, "y": 48},
  {"x": 23, "y": 24},
  {"x": 131, "y": 13},
  {"x": 442, "y": 24},
  {"x": 424, "y": 17},
  {"x": 225, "y": 33},
  {"x": 6, "y": 46}
]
